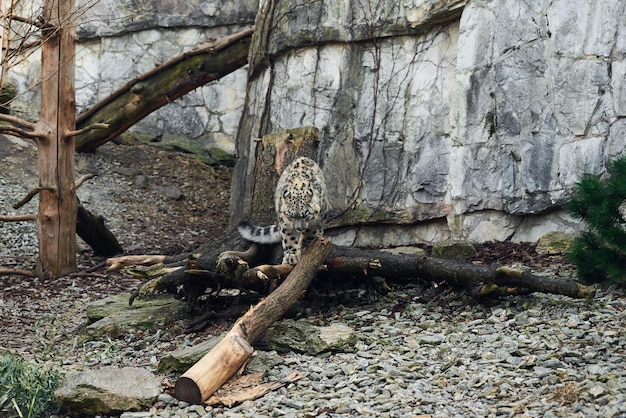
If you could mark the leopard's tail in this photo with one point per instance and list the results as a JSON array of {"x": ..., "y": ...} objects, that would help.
[{"x": 260, "y": 234}]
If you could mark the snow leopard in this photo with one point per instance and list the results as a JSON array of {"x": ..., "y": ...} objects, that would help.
[{"x": 300, "y": 202}]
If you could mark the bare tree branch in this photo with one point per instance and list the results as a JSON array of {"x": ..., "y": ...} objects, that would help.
[
  {"x": 18, "y": 122},
  {"x": 29, "y": 20},
  {"x": 83, "y": 179},
  {"x": 16, "y": 272},
  {"x": 30, "y": 195},
  {"x": 12, "y": 130},
  {"x": 88, "y": 128},
  {"x": 18, "y": 218}
]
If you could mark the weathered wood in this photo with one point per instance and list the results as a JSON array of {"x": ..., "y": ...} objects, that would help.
[
  {"x": 16, "y": 272},
  {"x": 229, "y": 270},
  {"x": 18, "y": 218},
  {"x": 214, "y": 369},
  {"x": 523, "y": 278},
  {"x": 117, "y": 263},
  {"x": 56, "y": 220},
  {"x": 160, "y": 86},
  {"x": 478, "y": 280},
  {"x": 220, "y": 364},
  {"x": 95, "y": 233}
]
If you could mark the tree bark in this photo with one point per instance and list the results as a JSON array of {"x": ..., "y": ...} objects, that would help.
[
  {"x": 478, "y": 280},
  {"x": 164, "y": 84},
  {"x": 220, "y": 364},
  {"x": 56, "y": 220},
  {"x": 274, "y": 152},
  {"x": 93, "y": 231}
]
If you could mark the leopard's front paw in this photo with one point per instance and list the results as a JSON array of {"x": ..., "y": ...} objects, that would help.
[{"x": 291, "y": 258}]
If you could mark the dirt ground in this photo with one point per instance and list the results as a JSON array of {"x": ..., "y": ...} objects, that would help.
[{"x": 154, "y": 201}]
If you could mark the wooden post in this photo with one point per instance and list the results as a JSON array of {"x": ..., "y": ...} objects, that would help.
[
  {"x": 230, "y": 355},
  {"x": 56, "y": 220}
]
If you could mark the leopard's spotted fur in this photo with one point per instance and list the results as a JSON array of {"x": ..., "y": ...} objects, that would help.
[{"x": 300, "y": 203}]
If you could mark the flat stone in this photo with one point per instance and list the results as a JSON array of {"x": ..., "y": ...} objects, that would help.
[
  {"x": 182, "y": 359},
  {"x": 108, "y": 391},
  {"x": 170, "y": 191},
  {"x": 434, "y": 339},
  {"x": 417, "y": 251},
  {"x": 453, "y": 249},
  {"x": 555, "y": 242},
  {"x": 302, "y": 337},
  {"x": 113, "y": 316}
]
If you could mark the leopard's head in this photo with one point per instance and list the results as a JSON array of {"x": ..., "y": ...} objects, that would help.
[{"x": 301, "y": 206}]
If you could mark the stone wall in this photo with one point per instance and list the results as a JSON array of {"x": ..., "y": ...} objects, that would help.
[
  {"x": 120, "y": 39},
  {"x": 461, "y": 119}
]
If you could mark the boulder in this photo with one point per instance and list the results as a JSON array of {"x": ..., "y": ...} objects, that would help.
[
  {"x": 185, "y": 357},
  {"x": 416, "y": 251},
  {"x": 453, "y": 249},
  {"x": 113, "y": 316},
  {"x": 303, "y": 337},
  {"x": 555, "y": 243},
  {"x": 108, "y": 391}
]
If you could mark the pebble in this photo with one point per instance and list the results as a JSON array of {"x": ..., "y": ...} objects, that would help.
[{"x": 468, "y": 367}]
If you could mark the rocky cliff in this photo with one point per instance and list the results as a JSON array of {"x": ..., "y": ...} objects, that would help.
[
  {"x": 443, "y": 118},
  {"x": 437, "y": 118}
]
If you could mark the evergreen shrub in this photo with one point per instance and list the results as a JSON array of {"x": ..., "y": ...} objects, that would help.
[{"x": 599, "y": 253}]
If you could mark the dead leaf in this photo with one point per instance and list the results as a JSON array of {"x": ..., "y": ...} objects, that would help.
[{"x": 248, "y": 387}]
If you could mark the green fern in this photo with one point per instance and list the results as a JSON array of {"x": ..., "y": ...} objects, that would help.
[{"x": 600, "y": 252}]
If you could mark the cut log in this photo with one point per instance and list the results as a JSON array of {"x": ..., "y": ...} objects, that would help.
[
  {"x": 214, "y": 369},
  {"x": 231, "y": 354}
]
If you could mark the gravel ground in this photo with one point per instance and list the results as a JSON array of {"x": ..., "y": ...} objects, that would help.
[{"x": 420, "y": 351}]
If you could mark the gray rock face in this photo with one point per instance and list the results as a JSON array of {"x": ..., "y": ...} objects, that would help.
[
  {"x": 108, "y": 391},
  {"x": 438, "y": 118},
  {"x": 116, "y": 17},
  {"x": 473, "y": 121}
]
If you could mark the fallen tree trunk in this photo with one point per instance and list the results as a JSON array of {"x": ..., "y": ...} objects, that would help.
[
  {"x": 478, "y": 280},
  {"x": 243, "y": 270},
  {"x": 221, "y": 363}
]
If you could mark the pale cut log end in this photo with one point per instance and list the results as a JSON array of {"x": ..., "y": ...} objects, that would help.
[{"x": 187, "y": 390}]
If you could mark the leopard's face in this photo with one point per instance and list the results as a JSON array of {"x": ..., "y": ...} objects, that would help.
[{"x": 300, "y": 207}]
